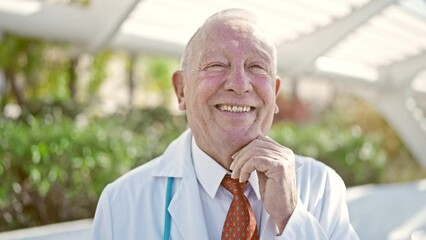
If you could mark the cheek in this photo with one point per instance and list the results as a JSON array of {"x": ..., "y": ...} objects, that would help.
[
  {"x": 207, "y": 87},
  {"x": 198, "y": 96},
  {"x": 265, "y": 90},
  {"x": 212, "y": 78}
]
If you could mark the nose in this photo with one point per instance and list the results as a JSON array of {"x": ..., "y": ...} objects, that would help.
[{"x": 238, "y": 81}]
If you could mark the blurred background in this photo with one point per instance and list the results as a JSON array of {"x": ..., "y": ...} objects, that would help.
[{"x": 86, "y": 95}]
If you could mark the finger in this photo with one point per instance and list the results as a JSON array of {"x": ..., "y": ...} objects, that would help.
[
  {"x": 267, "y": 138},
  {"x": 243, "y": 155},
  {"x": 234, "y": 156},
  {"x": 261, "y": 148},
  {"x": 257, "y": 147},
  {"x": 236, "y": 169},
  {"x": 253, "y": 146},
  {"x": 241, "y": 160},
  {"x": 247, "y": 169},
  {"x": 258, "y": 163},
  {"x": 275, "y": 145},
  {"x": 270, "y": 157}
]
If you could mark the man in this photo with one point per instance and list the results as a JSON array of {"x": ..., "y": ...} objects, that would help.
[{"x": 228, "y": 88}]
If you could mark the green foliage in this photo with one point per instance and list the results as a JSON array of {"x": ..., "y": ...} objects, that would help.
[
  {"x": 156, "y": 74},
  {"x": 98, "y": 73},
  {"x": 159, "y": 72},
  {"x": 13, "y": 51},
  {"x": 358, "y": 157},
  {"x": 46, "y": 72},
  {"x": 53, "y": 168},
  {"x": 400, "y": 164},
  {"x": 43, "y": 67}
]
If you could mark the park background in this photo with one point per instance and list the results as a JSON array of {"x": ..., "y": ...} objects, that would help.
[{"x": 72, "y": 121}]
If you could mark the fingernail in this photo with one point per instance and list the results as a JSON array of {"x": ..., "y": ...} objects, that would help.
[
  {"x": 232, "y": 166},
  {"x": 233, "y": 155}
]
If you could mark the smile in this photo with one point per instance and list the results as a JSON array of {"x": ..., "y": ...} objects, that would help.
[{"x": 234, "y": 109}]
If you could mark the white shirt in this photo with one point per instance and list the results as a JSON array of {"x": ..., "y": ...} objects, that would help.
[{"x": 215, "y": 198}]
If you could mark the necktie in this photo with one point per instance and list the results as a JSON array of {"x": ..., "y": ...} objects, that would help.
[{"x": 240, "y": 222}]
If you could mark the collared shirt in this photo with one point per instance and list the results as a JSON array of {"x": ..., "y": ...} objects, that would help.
[{"x": 215, "y": 198}]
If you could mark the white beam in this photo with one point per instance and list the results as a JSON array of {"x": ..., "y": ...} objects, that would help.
[
  {"x": 52, "y": 22},
  {"x": 401, "y": 74},
  {"x": 348, "y": 81},
  {"x": 393, "y": 107},
  {"x": 138, "y": 44},
  {"x": 89, "y": 27},
  {"x": 110, "y": 15},
  {"x": 301, "y": 53}
]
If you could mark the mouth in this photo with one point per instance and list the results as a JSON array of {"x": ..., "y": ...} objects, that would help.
[{"x": 234, "y": 108}]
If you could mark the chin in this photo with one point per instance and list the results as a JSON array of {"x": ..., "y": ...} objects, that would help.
[{"x": 238, "y": 140}]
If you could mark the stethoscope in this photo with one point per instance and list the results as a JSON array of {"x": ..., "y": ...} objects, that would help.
[{"x": 167, "y": 218}]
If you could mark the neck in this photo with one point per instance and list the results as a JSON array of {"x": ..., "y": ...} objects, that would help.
[{"x": 221, "y": 155}]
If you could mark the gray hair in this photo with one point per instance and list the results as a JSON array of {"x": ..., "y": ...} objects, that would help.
[{"x": 233, "y": 13}]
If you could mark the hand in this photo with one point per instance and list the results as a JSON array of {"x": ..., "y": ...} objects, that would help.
[{"x": 275, "y": 166}]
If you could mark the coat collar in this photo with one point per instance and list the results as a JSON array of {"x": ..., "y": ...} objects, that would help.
[
  {"x": 185, "y": 208},
  {"x": 176, "y": 158}
]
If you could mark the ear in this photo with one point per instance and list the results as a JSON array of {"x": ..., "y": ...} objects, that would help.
[
  {"x": 178, "y": 85},
  {"x": 277, "y": 90}
]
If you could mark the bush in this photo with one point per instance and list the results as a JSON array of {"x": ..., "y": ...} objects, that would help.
[
  {"x": 358, "y": 157},
  {"x": 53, "y": 169}
]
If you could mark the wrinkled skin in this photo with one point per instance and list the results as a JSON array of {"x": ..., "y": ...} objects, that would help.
[{"x": 233, "y": 66}]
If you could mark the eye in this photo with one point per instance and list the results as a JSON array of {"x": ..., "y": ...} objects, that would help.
[
  {"x": 215, "y": 66},
  {"x": 258, "y": 68}
]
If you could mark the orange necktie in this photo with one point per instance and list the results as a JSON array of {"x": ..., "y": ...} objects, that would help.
[{"x": 240, "y": 222}]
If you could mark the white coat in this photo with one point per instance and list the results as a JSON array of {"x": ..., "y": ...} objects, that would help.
[{"x": 133, "y": 207}]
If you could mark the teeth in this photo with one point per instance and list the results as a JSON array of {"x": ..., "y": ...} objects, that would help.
[{"x": 236, "y": 109}]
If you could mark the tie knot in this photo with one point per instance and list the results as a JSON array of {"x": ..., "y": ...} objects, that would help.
[{"x": 233, "y": 185}]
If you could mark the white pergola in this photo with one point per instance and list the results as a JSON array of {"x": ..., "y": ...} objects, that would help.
[{"x": 375, "y": 48}]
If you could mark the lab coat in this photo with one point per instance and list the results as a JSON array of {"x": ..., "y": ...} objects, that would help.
[{"x": 133, "y": 206}]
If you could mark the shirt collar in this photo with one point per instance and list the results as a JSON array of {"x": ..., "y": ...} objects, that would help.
[{"x": 210, "y": 173}]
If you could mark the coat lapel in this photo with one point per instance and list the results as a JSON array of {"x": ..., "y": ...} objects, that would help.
[
  {"x": 186, "y": 211},
  {"x": 185, "y": 208}
]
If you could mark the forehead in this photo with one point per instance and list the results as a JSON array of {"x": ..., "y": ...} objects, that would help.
[{"x": 240, "y": 34}]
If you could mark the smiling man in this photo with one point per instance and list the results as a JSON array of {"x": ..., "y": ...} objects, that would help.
[{"x": 224, "y": 178}]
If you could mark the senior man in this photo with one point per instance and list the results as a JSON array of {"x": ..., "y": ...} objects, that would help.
[{"x": 224, "y": 178}]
